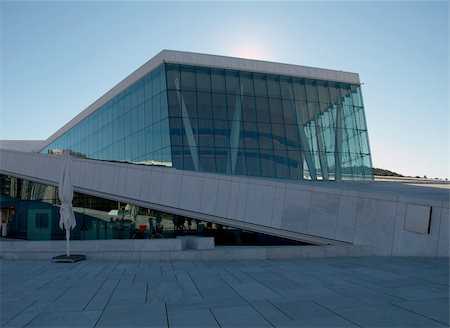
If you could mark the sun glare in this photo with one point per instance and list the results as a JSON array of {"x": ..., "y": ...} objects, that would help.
[{"x": 250, "y": 51}]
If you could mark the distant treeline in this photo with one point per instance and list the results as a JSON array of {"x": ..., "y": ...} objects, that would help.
[{"x": 383, "y": 172}]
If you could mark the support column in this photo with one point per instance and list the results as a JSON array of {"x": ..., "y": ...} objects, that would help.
[
  {"x": 338, "y": 145},
  {"x": 320, "y": 145},
  {"x": 235, "y": 132},
  {"x": 303, "y": 140},
  {"x": 188, "y": 128}
]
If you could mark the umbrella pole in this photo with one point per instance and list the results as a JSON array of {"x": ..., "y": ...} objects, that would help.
[{"x": 67, "y": 242}]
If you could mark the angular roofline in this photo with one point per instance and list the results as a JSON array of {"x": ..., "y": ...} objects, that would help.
[{"x": 215, "y": 61}]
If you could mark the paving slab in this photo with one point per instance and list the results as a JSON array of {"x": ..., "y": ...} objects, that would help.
[
  {"x": 322, "y": 322},
  {"x": 192, "y": 318},
  {"x": 65, "y": 319},
  {"x": 386, "y": 315},
  {"x": 436, "y": 309},
  {"x": 239, "y": 316}
]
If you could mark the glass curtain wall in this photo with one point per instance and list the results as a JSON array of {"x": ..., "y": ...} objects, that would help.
[
  {"x": 245, "y": 123},
  {"x": 133, "y": 126},
  {"x": 232, "y": 122}
]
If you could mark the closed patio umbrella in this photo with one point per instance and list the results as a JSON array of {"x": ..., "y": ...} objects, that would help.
[{"x": 65, "y": 193}]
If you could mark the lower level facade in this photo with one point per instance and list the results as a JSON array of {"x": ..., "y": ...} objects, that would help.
[{"x": 392, "y": 219}]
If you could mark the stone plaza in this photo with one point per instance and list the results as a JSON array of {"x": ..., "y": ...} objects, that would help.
[{"x": 320, "y": 292}]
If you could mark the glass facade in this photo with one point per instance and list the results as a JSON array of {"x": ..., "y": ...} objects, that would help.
[
  {"x": 133, "y": 126},
  {"x": 231, "y": 122}
]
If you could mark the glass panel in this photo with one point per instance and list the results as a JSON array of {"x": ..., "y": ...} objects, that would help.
[
  {"x": 219, "y": 106},
  {"x": 206, "y": 133},
  {"x": 260, "y": 85},
  {"x": 173, "y": 73},
  {"x": 190, "y": 100},
  {"x": 207, "y": 159},
  {"x": 156, "y": 80},
  {"x": 311, "y": 92},
  {"x": 156, "y": 108},
  {"x": 174, "y": 106},
  {"x": 187, "y": 78},
  {"x": 221, "y": 134},
  {"x": 248, "y": 109},
  {"x": 246, "y": 83},
  {"x": 203, "y": 79},
  {"x": 276, "y": 110},
  {"x": 281, "y": 164},
  {"x": 157, "y": 136},
  {"x": 286, "y": 88},
  {"x": 262, "y": 109},
  {"x": 232, "y": 82},
  {"x": 165, "y": 134},
  {"x": 253, "y": 162},
  {"x": 204, "y": 105},
  {"x": 218, "y": 81},
  {"x": 140, "y": 92},
  {"x": 267, "y": 163},
  {"x": 273, "y": 86},
  {"x": 164, "y": 108},
  {"x": 265, "y": 136},
  {"x": 322, "y": 89}
]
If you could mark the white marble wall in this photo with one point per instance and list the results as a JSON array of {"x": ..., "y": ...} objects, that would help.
[{"x": 308, "y": 211}]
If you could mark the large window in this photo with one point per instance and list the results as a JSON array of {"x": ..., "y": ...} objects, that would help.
[
  {"x": 245, "y": 123},
  {"x": 231, "y": 122},
  {"x": 133, "y": 126}
]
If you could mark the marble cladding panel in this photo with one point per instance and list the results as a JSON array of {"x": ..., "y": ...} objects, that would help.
[
  {"x": 323, "y": 214},
  {"x": 223, "y": 198},
  {"x": 209, "y": 195},
  {"x": 375, "y": 224},
  {"x": 233, "y": 200},
  {"x": 443, "y": 244},
  {"x": 260, "y": 201},
  {"x": 121, "y": 173},
  {"x": 407, "y": 242},
  {"x": 106, "y": 179},
  {"x": 345, "y": 229},
  {"x": 296, "y": 210},
  {"x": 171, "y": 187},
  {"x": 191, "y": 189},
  {"x": 242, "y": 200},
  {"x": 133, "y": 182},
  {"x": 154, "y": 188},
  {"x": 278, "y": 205}
]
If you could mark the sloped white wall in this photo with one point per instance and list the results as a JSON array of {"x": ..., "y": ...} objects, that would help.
[{"x": 308, "y": 211}]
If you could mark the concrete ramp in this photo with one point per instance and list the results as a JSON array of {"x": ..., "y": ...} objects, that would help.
[{"x": 334, "y": 213}]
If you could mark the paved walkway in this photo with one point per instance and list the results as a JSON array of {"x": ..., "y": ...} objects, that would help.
[{"x": 329, "y": 292}]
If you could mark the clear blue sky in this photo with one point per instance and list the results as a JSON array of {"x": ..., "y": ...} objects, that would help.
[{"x": 59, "y": 57}]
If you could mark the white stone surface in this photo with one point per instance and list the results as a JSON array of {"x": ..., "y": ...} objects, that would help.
[
  {"x": 345, "y": 228},
  {"x": 209, "y": 195},
  {"x": 133, "y": 182},
  {"x": 259, "y": 204},
  {"x": 407, "y": 242},
  {"x": 155, "y": 186},
  {"x": 323, "y": 214},
  {"x": 171, "y": 187},
  {"x": 443, "y": 243},
  {"x": 375, "y": 225},
  {"x": 278, "y": 205},
  {"x": 223, "y": 198},
  {"x": 191, "y": 189},
  {"x": 318, "y": 212}
]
